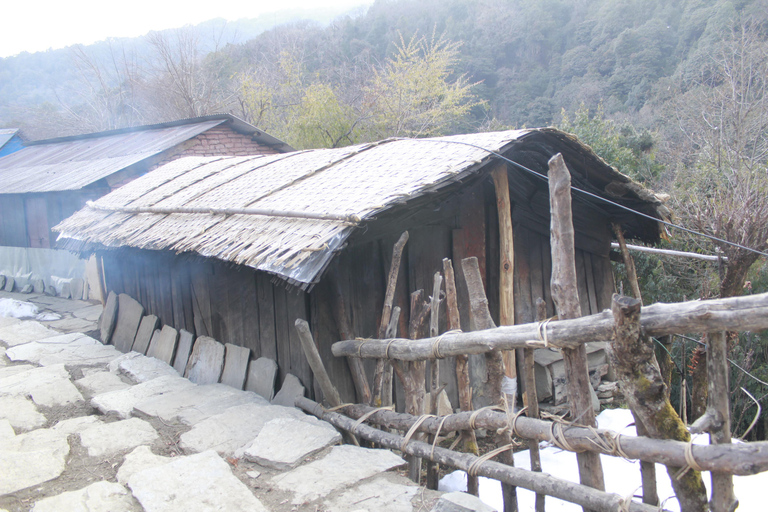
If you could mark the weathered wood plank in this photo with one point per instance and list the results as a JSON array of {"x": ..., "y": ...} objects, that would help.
[{"x": 265, "y": 298}]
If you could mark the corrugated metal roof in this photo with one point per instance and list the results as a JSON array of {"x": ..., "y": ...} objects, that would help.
[
  {"x": 73, "y": 164},
  {"x": 361, "y": 181},
  {"x": 7, "y": 134}
]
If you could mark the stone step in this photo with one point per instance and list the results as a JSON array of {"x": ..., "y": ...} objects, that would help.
[{"x": 122, "y": 402}]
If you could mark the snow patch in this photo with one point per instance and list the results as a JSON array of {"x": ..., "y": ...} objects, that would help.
[{"x": 17, "y": 308}]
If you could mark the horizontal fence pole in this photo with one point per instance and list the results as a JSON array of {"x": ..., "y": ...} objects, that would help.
[
  {"x": 671, "y": 252},
  {"x": 748, "y": 313},
  {"x": 543, "y": 483},
  {"x": 736, "y": 459}
]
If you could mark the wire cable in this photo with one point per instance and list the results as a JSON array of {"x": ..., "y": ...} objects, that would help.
[{"x": 590, "y": 194}]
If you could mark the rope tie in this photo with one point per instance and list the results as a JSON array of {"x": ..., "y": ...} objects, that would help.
[
  {"x": 472, "y": 470},
  {"x": 360, "y": 347},
  {"x": 691, "y": 463},
  {"x": 555, "y": 429},
  {"x": 386, "y": 352},
  {"x": 367, "y": 415},
  {"x": 436, "y": 344},
  {"x": 413, "y": 429},
  {"x": 475, "y": 413},
  {"x": 437, "y": 435},
  {"x": 511, "y": 421},
  {"x": 626, "y": 501},
  {"x": 541, "y": 331}
]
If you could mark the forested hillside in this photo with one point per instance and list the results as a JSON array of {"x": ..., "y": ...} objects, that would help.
[{"x": 672, "y": 92}]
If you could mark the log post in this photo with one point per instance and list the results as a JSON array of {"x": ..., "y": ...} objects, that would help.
[
  {"x": 382, "y": 378},
  {"x": 533, "y": 401},
  {"x": 566, "y": 297},
  {"x": 344, "y": 326},
  {"x": 469, "y": 441},
  {"x": 481, "y": 318},
  {"x": 506, "y": 272},
  {"x": 717, "y": 418},
  {"x": 316, "y": 363},
  {"x": 647, "y": 469},
  {"x": 634, "y": 362},
  {"x": 434, "y": 372}
]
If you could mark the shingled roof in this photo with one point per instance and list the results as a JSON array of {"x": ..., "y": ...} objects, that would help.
[{"x": 301, "y": 207}]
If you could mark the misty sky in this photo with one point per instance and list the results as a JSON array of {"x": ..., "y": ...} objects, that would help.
[{"x": 34, "y": 26}]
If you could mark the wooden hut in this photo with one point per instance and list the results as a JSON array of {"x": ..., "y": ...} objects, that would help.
[
  {"x": 48, "y": 180},
  {"x": 237, "y": 248}
]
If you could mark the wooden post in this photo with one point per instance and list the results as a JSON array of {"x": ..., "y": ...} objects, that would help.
[
  {"x": 634, "y": 362},
  {"x": 533, "y": 401},
  {"x": 507, "y": 270},
  {"x": 434, "y": 371},
  {"x": 382, "y": 378},
  {"x": 469, "y": 440},
  {"x": 345, "y": 331},
  {"x": 566, "y": 297},
  {"x": 647, "y": 469},
  {"x": 717, "y": 419},
  {"x": 481, "y": 318},
  {"x": 102, "y": 280},
  {"x": 318, "y": 368}
]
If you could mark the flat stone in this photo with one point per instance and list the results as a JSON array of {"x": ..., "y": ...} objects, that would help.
[
  {"x": 197, "y": 483},
  {"x": 271, "y": 450},
  {"x": 108, "y": 318},
  {"x": 39, "y": 286},
  {"x": 129, "y": 315},
  {"x": 261, "y": 377},
  {"x": 195, "y": 404},
  {"x": 378, "y": 494},
  {"x": 444, "y": 407},
  {"x": 163, "y": 344},
  {"x": 7, "y": 371},
  {"x": 50, "y": 290},
  {"x": 139, "y": 459},
  {"x": 20, "y": 412},
  {"x": 235, "y": 365},
  {"x": 27, "y": 288},
  {"x": 76, "y": 288},
  {"x": 66, "y": 291},
  {"x": 24, "y": 332},
  {"x": 92, "y": 313},
  {"x": 99, "y": 496},
  {"x": 234, "y": 428},
  {"x": 4, "y": 361},
  {"x": 2, "y": 281},
  {"x": 86, "y": 290},
  {"x": 70, "y": 349},
  {"x": 49, "y": 386},
  {"x": 75, "y": 425},
  {"x": 30, "y": 459},
  {"x": 343, "y": 466},
  {"x": 122, "y": 402},
  {"x": 9, "y": 282},
  {"x": 206, "y": 361},
  {"x": 291, "y": 389},
  {"x": 8, "y": 320},
  {"x": 460, "y": 502},
  {"x": 142, "y": 368},
  {"x": 100, "y": 382},
  {"x": 73, "y": 325},
  {"x": 183, "y": 349},
  {"x": 107, "y": 439},
  {"x": 146, "y": 328}
]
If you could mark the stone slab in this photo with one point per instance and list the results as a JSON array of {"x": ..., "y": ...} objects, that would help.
[
  {"x": 8, "y": 320},
  {"x": 4, "y": 361},
  {"x": 48, "y": 386},
  {"x": 142, "y": 368},
  {"x": 129, "y": 315},
  {"x": 100, "y": 382},
  {"x": 290, "y": 389},
  {"x": 262, "y": 374},
  {"x": 75, "y": 425},
  {"x": 2, "y": 282},
  {"x": 7, "y": 371},
  {"x": 206, "y": 361},
  {"x": 24, "y": 332},
  {"x": 76, "y": 288},
  {"x": 143, "y": 336},
  {"x": 70, "y": 349},
  {"x": 460, "y": 502},
  {"x": 73, "y": 325},
  {"x": 183, "y": 349},
  {"x": 139, "y": 459},
  {"x": 271, "y": 450},
  {"x": 194, "y": 404},
  {"x": 20, "y": 412},
  {"x": 27, "y": 288},
  {"x": 108, "y": 318},
  {"x": 92, "y": 312},
  {"x": 341, "y": 468},
  {"x": 66, "y": 291},
  {"x": 9, "y": 282},
  {"x": 39, "y": 286},
  {"x": 107, "y": 439},
  {"x": 163, "y": 344},
  {"x": 378, "y": 494},
  {"x": 235, "y": 365},
  {"x": 30, "y": 459},
  {"x": 122, "y": 402},
  {"x": 234, "y": 428},
  {"x": 197, "y": 483},
  {"x": 98, "y": 497}
]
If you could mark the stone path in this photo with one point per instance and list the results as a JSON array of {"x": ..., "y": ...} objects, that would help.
[{"x": 85, "y": 427}]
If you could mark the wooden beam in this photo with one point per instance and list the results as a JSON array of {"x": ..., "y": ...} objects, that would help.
[
  {"x": 318, "y": 369},
  {"x": 565, "y": 294}
]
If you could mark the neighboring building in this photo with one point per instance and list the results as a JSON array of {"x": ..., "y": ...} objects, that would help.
[
  {"x": 48, "y": 180},
  {"x": 10, "y": 141},
  {"x": 180, "y": 242}
]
